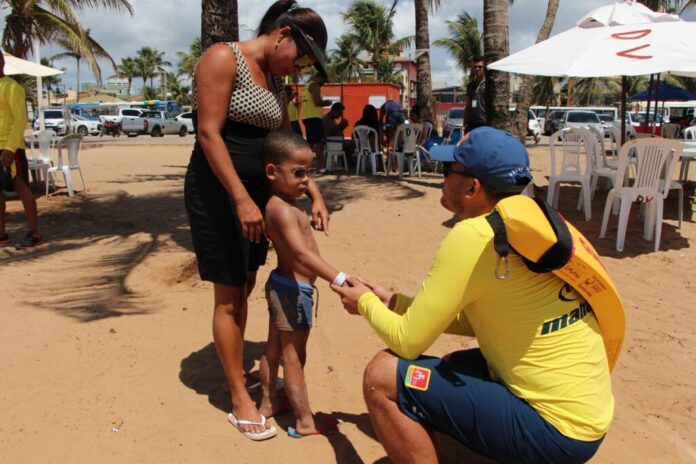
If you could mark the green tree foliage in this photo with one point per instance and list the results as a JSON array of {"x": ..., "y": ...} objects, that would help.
[
  {"x": 188, "y": 60},
  {"x": 465, "y": 41},
  {"x": 345, "y": 61}
]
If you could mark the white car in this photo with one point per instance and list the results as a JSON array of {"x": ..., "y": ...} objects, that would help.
[
  {"x": 583, "y": 120},
  {"x": 533, "y": 126},
  {"x": 186, "y": 118},
  {"x": 53, "y": 120},
  {"x": 454, "y": 119},
  {"x": 84, "y": 126}
]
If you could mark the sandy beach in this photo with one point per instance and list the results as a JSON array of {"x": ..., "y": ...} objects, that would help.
[{"x": 106, "y": 328}]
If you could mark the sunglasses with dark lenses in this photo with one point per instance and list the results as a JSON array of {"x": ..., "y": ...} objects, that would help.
[
  {"x": 448, "y": 168},
  {"x": 301, "y": 173}
]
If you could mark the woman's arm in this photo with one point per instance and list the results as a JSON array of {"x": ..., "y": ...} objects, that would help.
[
  {"x": 215, "y": 76},
  {"x": 316, "y": 95}
]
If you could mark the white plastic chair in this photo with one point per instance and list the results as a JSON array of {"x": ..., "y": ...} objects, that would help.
[
  {"x": 41, "y": 148},
  {"x": 689, "y": 135},
  {"x": 367, "y": 147},
  {"x": 655, "y": 161},
  {"x": 575, "y": 145},
  {"x": 405, "y": 145},
  {"x": 335, "y": 153},
  {"x": 601, "y": 165},
  {"x": 72, "y": 143}
]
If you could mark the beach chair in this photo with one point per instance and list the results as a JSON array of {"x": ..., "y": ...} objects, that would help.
[
  {"x": 40, "y": 158},
  {"x": 655, "y": 159},
  {"x": 72, "y": 144},
  {"x": 575, "y": 165},
  {"x": 602, "y": 166},
  {"x": 334, "y": 153},
  {"x": 367, "y": 147},
  {"x": 405, "y": 146}
]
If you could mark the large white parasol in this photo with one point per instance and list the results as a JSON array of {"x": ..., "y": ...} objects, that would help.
[{"x": 14, "y": 65}]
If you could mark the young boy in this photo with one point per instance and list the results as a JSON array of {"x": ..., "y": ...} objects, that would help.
[{"x": 290, "y": 287}]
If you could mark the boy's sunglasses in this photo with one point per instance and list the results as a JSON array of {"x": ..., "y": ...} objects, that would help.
[
  {"x": 448, "y": 168},
  {"x": 301, "y": 173}
]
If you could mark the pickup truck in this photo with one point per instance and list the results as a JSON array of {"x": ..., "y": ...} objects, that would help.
[
  {"x": 116, "y": 118},
  {"x": 155, "y": 123}
]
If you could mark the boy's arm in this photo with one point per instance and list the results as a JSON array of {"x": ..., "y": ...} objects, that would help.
[{"x": 285, "y": 233}]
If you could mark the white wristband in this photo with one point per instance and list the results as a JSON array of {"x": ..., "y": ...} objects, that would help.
[{"x": 339, "y": 279}]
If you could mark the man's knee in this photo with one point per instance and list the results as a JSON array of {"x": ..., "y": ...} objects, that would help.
[{"x": 379, "y": 378}]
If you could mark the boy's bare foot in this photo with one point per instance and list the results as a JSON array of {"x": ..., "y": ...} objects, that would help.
[
  {"x": 321, "y": 424},
  {"x": 274, "y": 406}
]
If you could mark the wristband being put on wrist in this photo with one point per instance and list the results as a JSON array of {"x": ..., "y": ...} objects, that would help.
[{"x": 339, "y": 279}]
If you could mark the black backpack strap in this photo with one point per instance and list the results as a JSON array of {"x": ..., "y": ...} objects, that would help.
[{"x": 500, "y": 243}]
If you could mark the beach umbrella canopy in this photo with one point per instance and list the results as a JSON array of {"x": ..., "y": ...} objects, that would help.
[
  {"x": 14, "y": 65},
  {"x": 666, "y": 92},
  {"x": 607, "y": 42}
]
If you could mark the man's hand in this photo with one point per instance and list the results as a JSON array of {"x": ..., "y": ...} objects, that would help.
[
  {"x": 6, "y": 159},
  {"x": 320, "y": 216},
  {"x": 350, "y": 293},
  {"x": 387, "y": 297}
]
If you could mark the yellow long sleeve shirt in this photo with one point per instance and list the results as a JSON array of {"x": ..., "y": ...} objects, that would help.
[
  {"x": 540, "y": 338},
  {"x": 13, "y": 114}
]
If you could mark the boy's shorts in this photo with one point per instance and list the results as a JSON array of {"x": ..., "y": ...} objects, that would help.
[
  {"x": 290, "y": 302},
  {"x": 457, "y": 397}
]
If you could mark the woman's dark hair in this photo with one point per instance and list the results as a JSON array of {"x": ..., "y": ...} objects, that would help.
[
  {"x": 305, "y": 18},
  {"x": 369, "y": 117}
]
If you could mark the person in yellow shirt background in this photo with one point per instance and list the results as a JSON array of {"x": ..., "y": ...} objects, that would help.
[
  {"x": 293, "y": 109},
  {"x": 538, "y": 387},
  {"x": 13, "y": 160},
  {"x": 312, "y": 114}
]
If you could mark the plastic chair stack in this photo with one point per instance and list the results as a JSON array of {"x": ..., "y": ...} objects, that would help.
[
  {"x": 367, "y": 148},
  {"x": 405, "y": 146},
  {"x": 72, "y": 144},
  {"x": 576, "y": 165},
  {"x": 41, "y": 152},
  {"x": 335, "y": 153},
  {"x": 655, "y": 160}
]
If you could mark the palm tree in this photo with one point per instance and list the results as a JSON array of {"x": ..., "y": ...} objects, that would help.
[
  {"x": 592, "y": 90},
  {"x": 50, "y": 82},
  {"x": 424, "y": 88},
  {"x": 525, "y": 93},
  {"x": 128, "y": 69},
  {"x": 465, "y": 41},
  {"x": 677, "y": 7},
  {"x": 188, "y": 60},
  {"x": 178, "y": 91},
  {"x": 496, "y": 46},
  {"x": 544, "y": 91},
  {"x": 372, "y": 27},
  {"x": 345, "y": 60},
  {"x": 47, "y": 20},
  {"x": 88, "y": 50},
  {"x": 219, "y": 22},
  {"x": 149, "y": 62}
]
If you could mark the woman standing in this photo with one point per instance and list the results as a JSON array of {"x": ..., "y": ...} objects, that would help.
[{"x": 237, "y": 100}]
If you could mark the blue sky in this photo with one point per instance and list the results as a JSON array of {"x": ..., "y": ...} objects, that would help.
[{"x": 172, "y": 25}]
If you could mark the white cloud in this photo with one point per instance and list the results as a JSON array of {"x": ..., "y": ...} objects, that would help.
[{"x": 172, "y": 25}]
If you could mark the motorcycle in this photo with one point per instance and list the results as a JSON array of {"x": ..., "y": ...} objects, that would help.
[{"x": 111, "y": 128}]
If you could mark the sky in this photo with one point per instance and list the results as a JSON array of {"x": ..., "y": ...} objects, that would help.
[{"x": 171, "y": 25}]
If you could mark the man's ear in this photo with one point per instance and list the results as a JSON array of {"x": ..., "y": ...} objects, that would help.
[{"x": 271, "y": 171}]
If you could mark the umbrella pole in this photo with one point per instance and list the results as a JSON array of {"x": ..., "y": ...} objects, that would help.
[
  {"x": 623, "y": 109},
  {"x": 39, "y": 89},
  {"x": 657, "y": 99},
  {"x": 646, "y": 123}
]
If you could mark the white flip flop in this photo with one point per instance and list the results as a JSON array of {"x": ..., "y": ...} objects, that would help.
[{"x": 256, "y": 436}]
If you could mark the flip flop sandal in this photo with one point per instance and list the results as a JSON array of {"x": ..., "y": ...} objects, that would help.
[{"x": 255, "y": 436}]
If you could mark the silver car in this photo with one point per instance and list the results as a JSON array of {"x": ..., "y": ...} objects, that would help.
[
  {"x": 454, "y": 118},
  {"x": 583, "y": 120}
]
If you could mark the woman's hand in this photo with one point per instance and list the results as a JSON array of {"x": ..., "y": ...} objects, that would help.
[
  {"x": 320, "y": 216},
  {"x": 350, "y": 293},
  {"x": 251, "y": 219},
  {"x": 385, "y": 295}
]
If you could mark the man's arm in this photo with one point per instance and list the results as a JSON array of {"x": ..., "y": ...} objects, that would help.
[
  {"x": 437, "y": 306},
  {"x": 286, "y": 234},
  {"x": 316, "y": 95}
]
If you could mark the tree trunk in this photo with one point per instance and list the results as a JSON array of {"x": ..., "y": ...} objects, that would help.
[
  {"x": 219, "y": 22},
  {"x": 496, "y": 47},
  {"x": 525, "y": 96},
  {"x": 77, "y": 98},
  {"x": 570, "y": 92},
  {"x": 424, "y": 90}
]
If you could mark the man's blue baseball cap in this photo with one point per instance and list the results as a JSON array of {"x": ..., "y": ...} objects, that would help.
[{"x": 493, "y": 156}]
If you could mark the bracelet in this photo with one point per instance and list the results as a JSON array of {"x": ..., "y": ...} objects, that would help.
[{"x": 340, "y": 279}]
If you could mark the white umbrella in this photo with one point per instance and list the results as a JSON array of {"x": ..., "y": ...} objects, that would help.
[
  {"x": 14, "y": 65},
  {"x": 620, "y": 13}
]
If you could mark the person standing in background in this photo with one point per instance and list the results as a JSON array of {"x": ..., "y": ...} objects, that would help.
[
  {"x": 475, "y": 112},
  {"x": 312, "y": 114},
  {"x": 293, "y": 109}
]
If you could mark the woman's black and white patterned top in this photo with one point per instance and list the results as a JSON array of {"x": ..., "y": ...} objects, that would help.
[{"x": 250, "y": 103}]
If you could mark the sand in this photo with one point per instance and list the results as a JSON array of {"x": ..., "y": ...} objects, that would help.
[{"x": 106, "y": 328}]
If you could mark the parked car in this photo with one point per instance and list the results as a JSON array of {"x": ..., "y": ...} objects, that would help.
[
  {"x": 608, "y": 122},
  {"x": 533, "y": 128},
  {"x": 186, "y": 118},
  {"x": 454, "y": 118},
  {"x": 84, "y": 126},
  {"x": 638, "y": 119},
  {"x": 155, "y": 123},
  {"x": 135, "y": 112},
  {"x": 583, "y": 120},
  {"x": 54, "y": 119},
  {"x": 554, "y": 122}
]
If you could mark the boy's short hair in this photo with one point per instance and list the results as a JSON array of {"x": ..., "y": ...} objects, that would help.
[{"x": 279, "y": 144}]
